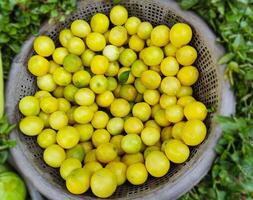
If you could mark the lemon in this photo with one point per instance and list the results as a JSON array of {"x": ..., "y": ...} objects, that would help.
[
  {"x": 83, "y": 114},
  {"x": 85, "y": 131},
  {"x": 72, "y": 63},
  {"x": 186, "y": 55},
  {"x": 170, "y": 50},
  {"x": 95, "y": 41},
  {"x": 166, "y": 133},
  {"x": 99, "y": 23},
  {"x": 68, "y": 166},
  {"x": 100, "y": 136},
  {"x": 54, "y": 155},
  {"x": 116, "y": 91},
  {"x": 76, "y": 45},
  {"x": 174, "y": 113},
  {"x": 120, "y": 108},
  {"x": 116, "y": 140},
  {"x": 160, "y": 35},
  {"x": 132, "y": 24},
  {"x": 176, "y": 151},
  {"x": 184, "y": 91},
  {"x": 183, "y": 101},
  {"x": 58, "y": 120},
  {"x": 78, "y": 181},
  {"x": 149, "y": 149},
  {"x": 105, "y": 99},
  {"x": 100, "y": 119},
  {"x": 194, "y": 132},
  {"x": 160, "y": 118},
  {"x": 99, "y": 64},
  {"x": 195, "y": 110},
  {"x": 106, "y": 35},
  {"x": 98, "y": 84},
  {"x": 29, "y": 106},
  {"x": 188, "y": 75},
  {"x": 154, "y": 109},
  {"x": 115, "y": 125},
  {"x": 62, "y": 77},
  {"x": 144, "y": 30},
  {"x": 76, "y": 152},
  {"x": 169, "y": 66},
  {"x": 58, "y": 92},
  {"x": 122, "y": 72},
  {"x": 128, "y": 92},
  {"x": 152, "y": 123},
  {"x": 59, "y": 54},
  {"x": 93, "y": 107},
  {"x": 150, "y": 79},
  {"x": 150, "y": 136},
  {"x": 119, "y": 169},
  {"x": 139, "y": 86},
  {"x": 127, "y": 57},
  {"x": 131, "y": 143},
  {"x": 180, "y": 34},
  {"x": 106, "y": 152},
  {"x": 166, "y": 101},
  {"x": 151, "y": 96},
  {"x": 103, "y": 183},
  {"x": 92, "y": 166},
  {"x": 142, "y": 111},
  {"x": 67, "y": 137},
  {"x": 44, "y": 46},
  {"x": 157, "y": 164},
  {"x": 136, "y": 43},
  {"x": 138, "y": 67},
  {"x": 87, "y": 146},
  {"x": 52, "y": 66},
  {"x": 111, "y": 52},
  {"x": 80, "y": 28},
  {"x": 137, "y": 174},
  {"x": 112, "y": 84},
  {"x": 64, "y": 37},
  {"x": 90, "y": 156},
  {"x": 38, "y": 65},
  {"x": 49, "y": 104},
  {"x": 118, "y": 36},
  {"x": 177, "y": 130},
  {"x": 87, "y": 56},
  {"x": 46, "y": 138},
  {"x": 152, "y": 55},
  {"x": 133, "y": 125},
  {"x": 113, "y": 69},
  {"x": 70, "y": 114},
  {"x": 118, "y": 15},
  {"x": 170, "y": 85},
  {"x": 81, "y": 78},
  {"x": 132, "y": 158},
  {"x": 69, "y": 92}
]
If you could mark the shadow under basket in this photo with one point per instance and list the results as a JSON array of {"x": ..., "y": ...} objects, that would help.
[{"x": 210, "y": 89}]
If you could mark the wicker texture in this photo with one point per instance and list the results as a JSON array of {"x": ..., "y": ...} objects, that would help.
[{"x": 210, "y": 89}]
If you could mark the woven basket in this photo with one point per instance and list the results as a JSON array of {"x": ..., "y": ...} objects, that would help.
[{"x": 210, "y": 89}]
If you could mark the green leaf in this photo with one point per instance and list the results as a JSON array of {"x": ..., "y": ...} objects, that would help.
[
  {"x": 226, "y": 58},
  {"x": 117, "y": 1},
  {"x": 3, "y": 156},
  {"x": 187, "y": 4},
  {"x": 249, "y": 75},
  {"x": 124, "y": 77}
]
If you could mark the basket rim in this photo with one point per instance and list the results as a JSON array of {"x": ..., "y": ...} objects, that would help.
[{"x": 198, "y": 169}]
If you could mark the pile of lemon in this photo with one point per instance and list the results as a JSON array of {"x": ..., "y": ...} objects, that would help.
[{"x": 116, "y": 104}]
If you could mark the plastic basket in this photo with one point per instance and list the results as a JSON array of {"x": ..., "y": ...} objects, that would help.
[{"x": 210, "y": 89}]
